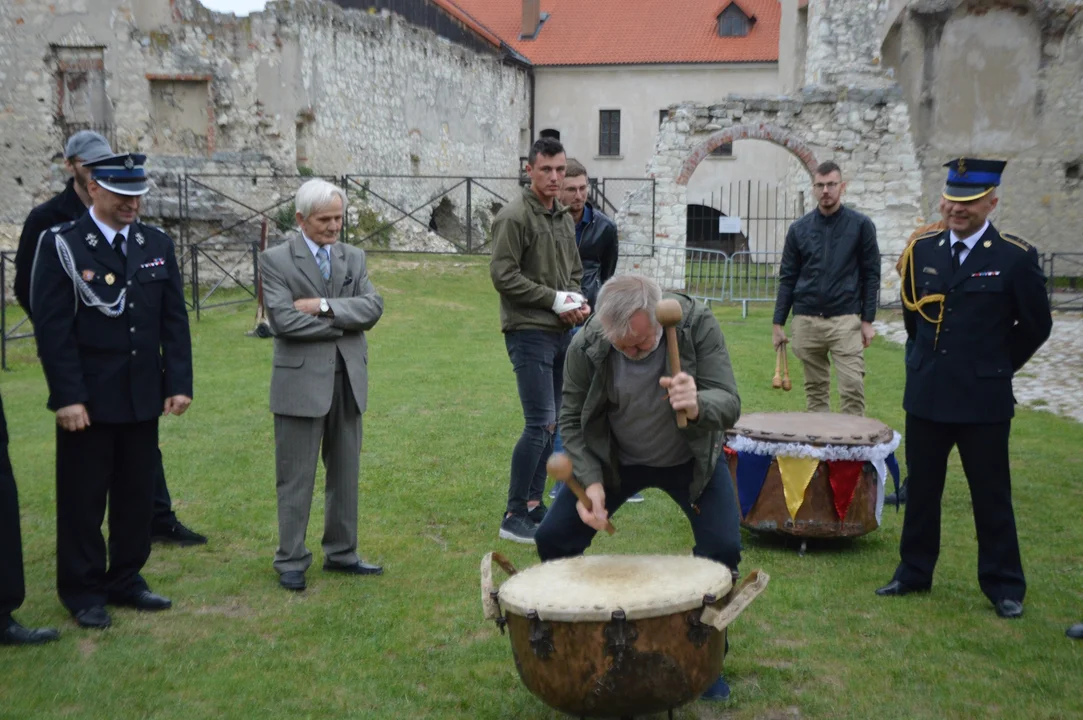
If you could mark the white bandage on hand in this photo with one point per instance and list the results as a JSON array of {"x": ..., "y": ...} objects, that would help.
[{"x": 567, "y": 301}]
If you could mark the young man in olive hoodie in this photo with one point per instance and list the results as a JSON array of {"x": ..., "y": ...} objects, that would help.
[{"x": 537, "y": 271}]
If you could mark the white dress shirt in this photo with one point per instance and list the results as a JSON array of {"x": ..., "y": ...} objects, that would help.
[
  {"x": 968, "y": 242},
  {"x": 110, "y": 234}
]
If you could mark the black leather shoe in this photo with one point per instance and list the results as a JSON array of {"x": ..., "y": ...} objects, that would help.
[
  {"x": 896, "y": 588},
  {"x": 1075, "y": 632},
  {"x": 177, "y": 534},
  {"x": 292, "y": 580},
  {"x": 95, "y": 618},
  {"x": 358, "y": 568},
  {"x": 145, "y": 600},
  {"x": 898, "y": 498},
  {"x": 1009, "y": 609},
  {"x": 16, "y": 634}
]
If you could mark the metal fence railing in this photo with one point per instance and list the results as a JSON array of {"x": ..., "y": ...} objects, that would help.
[{"x": 14, "y": 325}]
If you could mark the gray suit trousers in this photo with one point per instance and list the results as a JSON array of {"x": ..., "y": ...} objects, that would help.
[{"x": 297, "y": 445}]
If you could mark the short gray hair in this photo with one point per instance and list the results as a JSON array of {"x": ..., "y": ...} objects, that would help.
[
  {"x": 316, "y": 194},
  {"x": 623, "y": 296}
]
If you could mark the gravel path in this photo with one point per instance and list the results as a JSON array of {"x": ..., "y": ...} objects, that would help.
[{"x": 1052, "y": 380}]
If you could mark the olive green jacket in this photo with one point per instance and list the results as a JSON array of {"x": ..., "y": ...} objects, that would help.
[
  {"x": 584, "y": 421},
  {"x": 534, "y": 256}
]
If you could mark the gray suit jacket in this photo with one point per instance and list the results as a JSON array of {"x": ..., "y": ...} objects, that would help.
[{"x": 303, "y": 377}]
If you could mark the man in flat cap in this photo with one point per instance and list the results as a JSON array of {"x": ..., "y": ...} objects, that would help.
[
  {"x": 112, "y": 332},
  {"x": 976, "y": 310},
  {"x": 71, "y": 204}
]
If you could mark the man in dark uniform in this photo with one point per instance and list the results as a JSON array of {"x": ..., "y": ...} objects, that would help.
[
  {"x": 976, "y": 309},
  {"x": 82, "y": 147},
  {"x": 12, "y": 587},
  {"x": 112, "y": 332}
]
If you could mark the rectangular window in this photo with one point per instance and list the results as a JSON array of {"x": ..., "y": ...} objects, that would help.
[
  {"x": 723, "y": 150},
  {"x": 609, "y": 133},
  {"x": 662, "y": 115}
]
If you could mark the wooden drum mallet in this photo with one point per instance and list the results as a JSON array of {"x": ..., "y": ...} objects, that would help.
[
  {"x": 668, "y": 314},
  {"x": 560, "y": 468}
]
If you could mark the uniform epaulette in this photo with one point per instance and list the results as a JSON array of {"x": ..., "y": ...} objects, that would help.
[
  {"x": 928, "y": 234},
  {"x": 63, "y": 226},
  {"x": 1017, "y": 241}
]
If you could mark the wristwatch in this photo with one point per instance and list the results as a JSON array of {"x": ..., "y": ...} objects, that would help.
[{"x": 324, "y": 306}]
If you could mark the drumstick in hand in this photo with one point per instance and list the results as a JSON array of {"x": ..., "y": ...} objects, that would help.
[
  {"x": 560, "y": 468},
  {"x": 668, "y": 313},
  {"x": 776, "y": 382},
  {"x": 786, "y": 384}
]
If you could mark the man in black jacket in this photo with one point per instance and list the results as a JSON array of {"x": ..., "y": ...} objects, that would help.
[
  {"x": 595, "y": 234},
  {"x": 12, "y": 583},
  {"x": 976, "y": 309},
  {"x": 830, "y": 278},
  {"x": 596, "y": 238},
  {"x": 71, "y": 204}
]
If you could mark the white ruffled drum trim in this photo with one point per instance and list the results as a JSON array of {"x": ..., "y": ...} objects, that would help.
[{"x": 875, "y": 454}]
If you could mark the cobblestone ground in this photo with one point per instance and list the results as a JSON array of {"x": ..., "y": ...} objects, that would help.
[{"x": 1052, "y": 380}]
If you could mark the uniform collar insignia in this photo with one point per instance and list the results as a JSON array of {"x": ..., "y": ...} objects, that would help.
[
  {"x": 92, "y": 240},
  {"x": 139, "y": 239}
]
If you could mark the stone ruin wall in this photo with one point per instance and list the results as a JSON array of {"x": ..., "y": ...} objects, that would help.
[{"x": 304, "y": 86}]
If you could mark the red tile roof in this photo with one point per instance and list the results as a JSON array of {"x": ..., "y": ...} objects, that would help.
[{"x": 623, "y": 32}]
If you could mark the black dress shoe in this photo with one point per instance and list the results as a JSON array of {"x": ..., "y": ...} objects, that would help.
[
  {"x": 358, "y": 568},
  {"x": 292, "y": 580},
  {"x": 145, "y": 600},
  {"x": 177, "y": 534},
  {"x": 16, "y": 634},
  {"x": 896, "y": 588},
  {"x": 898, "y": 498},
  {"x": 1076, "y": 631},
  {"x": 1009, "y": 609},
  {"x": 94, "y": 617}
]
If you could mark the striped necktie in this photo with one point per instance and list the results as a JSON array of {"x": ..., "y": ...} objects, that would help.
[{"x": 323, "y": 259}]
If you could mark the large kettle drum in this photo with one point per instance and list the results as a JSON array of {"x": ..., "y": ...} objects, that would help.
[{"x": 617, "y": 635}]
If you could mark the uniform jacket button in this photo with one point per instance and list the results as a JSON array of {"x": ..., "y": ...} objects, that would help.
[
  {"x": 943, "y": 352},
  {"x": 133, "y": 352}
]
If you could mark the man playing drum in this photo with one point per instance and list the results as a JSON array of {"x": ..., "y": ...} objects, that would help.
[{"x": 620, "y": 429}]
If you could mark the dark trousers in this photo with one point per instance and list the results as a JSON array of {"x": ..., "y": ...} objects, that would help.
[
  {"x": 538, "y": 359},
  {"x": 714, "y": 518},
  {"x": 12, "y": 588},
  {"x": 114, "y": 463},
  {"x": 983, "y": 448},
  {"x": 164, "y": 517}
]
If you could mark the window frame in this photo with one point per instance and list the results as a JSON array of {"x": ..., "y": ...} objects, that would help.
[{"x": 608, "y": 140}]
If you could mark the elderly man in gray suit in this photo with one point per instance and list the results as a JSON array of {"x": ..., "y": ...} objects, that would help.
[{"x": 319, "y": 303}]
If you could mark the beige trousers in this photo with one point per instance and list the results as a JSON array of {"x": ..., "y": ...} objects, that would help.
[{"x": 817, "y": 341}]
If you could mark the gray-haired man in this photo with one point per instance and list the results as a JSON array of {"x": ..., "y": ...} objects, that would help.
[{"x": 319, "y": 304}]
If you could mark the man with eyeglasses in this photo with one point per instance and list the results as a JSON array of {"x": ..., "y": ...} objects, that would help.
[{"x": 830, "y": 278}]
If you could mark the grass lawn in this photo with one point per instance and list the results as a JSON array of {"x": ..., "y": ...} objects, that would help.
[{"x": 443, "y": 416}]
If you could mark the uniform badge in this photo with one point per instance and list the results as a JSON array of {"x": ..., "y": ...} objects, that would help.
[
  {"x": 92, "y": 240},
  {"x": 88, "y": 275},
  {"x": 961, "y": 166},
  {"x": 988, "y": 243},
  {"x": 129, "y": 163},
  {"x": 139, "y": 239},
  {"x": 941, "y": 243},
  {"x": 930, "y": 270},
  {"x": 110, "y": 278}
]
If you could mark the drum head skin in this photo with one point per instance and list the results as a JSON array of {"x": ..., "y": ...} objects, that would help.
[
  {"x": 591, "y": 589},
  {"x": 813, "y": 428}
]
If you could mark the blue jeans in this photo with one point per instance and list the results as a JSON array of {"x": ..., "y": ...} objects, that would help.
[
  {"x": 714, "y": 518},
  {"x": 538, "y": 359}
]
